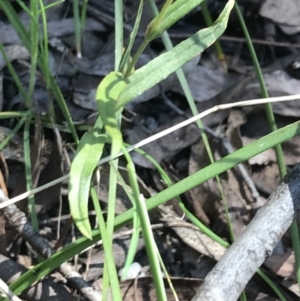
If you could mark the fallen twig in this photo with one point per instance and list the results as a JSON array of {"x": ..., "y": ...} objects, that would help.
[
  {"x": 231, "y": 274},
  {"x": 18, "y": 220}
]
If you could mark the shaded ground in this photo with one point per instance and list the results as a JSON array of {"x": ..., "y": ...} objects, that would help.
[{"x": 186, "y": 252}]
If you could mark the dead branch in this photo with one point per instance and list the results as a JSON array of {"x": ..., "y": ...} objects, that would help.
[
  {"x": 231, "y": 274},
  {"x": 46, "y": 289},
  {"x": 18, "y": 220}
]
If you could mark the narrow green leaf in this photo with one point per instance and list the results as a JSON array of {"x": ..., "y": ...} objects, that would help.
[
  {"x": 86, "y": 159},
  {"x": 152, "y": 27},
  {"x": 126, "y": 55},
  {"x": 175, "y": 12},
  {"x": 106, "y": 96},
  {"x": 165, "y": 64},
  {"x": 150, "y": 244},
  {"x": 135, "y": 226}
]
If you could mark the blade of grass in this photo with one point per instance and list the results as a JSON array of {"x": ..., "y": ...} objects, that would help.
[
  {"x": 208, "y": 22},
  {"x": 77, "y": 27},
  {"x": 272, "y": 123},
  {"x": 16, "y": 22},
  {"x": 9, "y": 114},
  {"x": 28, "y": 173},
  {"x": 153, "y": 26},
  {"x": 34, "y": 40},
  {"x": 126, "y": 55},
  {"x": 150, "y": 244},
  {"x": 52, "y": 5},
  {"x": 63, "y": 107},
  {"x": 173, "y": 13},
  {"x": 118, "y": 137},
  {"x": 34, "y": 43},
  {"x": 25, "y": 8},
  {"x": 21, "y": 122},
  {"x": 118, "y": 32},
  {"x": 136, "y": 229},
  {"x": 83, "y": 14},
  {"x": 168, "y": 277},
  {"x": 151, "y": 29},
  {"x": 107, "y": 245},
  {"x": 112, "y": 196},
  {"x": 44, "y": 42},
  {"x": 13, "y": 73}
]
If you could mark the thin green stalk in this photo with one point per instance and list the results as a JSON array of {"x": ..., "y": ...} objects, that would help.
[
  {"x": 16, "y": 22},
  {"x": 77, "y": 27},
  {"x": 147, "y": 40},
  {"x": 52, "y": 5},
  {"x": 118, "y": 32},
  {"x": 83, "y": 15},
  {"x": 272, "y": 123},
  {"x": 294, "y": 231},
  {"x": 114, "y": 164},
  {"x": 135, "y": 227},
  {"x": 150, "y": 244},
  {"x": 105, "y": 280},
  {"x": 112, "y": 195},
  {"x": 63, "y": 107},
  {"x": 272, "y": 285},
  {"x": 111, "y": 206},
  {"x": 263, "y": 89},
  {"x": 168, "y": 277},
  {"x": 28, "y": 173},
  {"x": 138, "y": 53},
  {"x": 13, "y": 72},
  {"x": 25, "y": 8},
  {"x": 44, "y": 43},
  {"x": 151, "y": 30},
  {"x": 9, "y": 114},
  {"x": 209, "y": 22},
  {"x": 126, "y": 55},
  {"x": 61, "y": 128},
  {"x": 34, "y": 40},
  {"x": 107, "y": 245},
  {"x": 15, "y": 129},
  {"x": 187, "y": 91},
  {"x": 34, "y": 44}
]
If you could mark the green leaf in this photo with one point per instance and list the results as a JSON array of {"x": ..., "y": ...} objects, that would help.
[
  {"x": 165, "y": 64},
  {"x": 106, "y": 96},
  {"x": 175, "y": 12},
  {"x": 126, "y": 55},
  {"x": 86, "y": 159}
]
